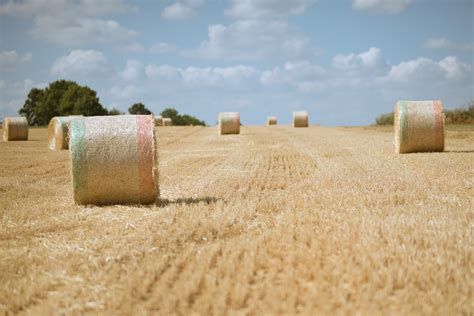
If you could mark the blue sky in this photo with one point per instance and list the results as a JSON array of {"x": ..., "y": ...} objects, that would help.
[{"x": 344, "y": 61}]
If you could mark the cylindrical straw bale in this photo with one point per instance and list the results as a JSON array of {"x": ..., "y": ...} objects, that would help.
[
  {"x": 15, "y": 128},
  {"x": 229, "y": 123},
  {"x": 419, "y": 126},
  {"x": 158, "y": 120},
  {"x": 167, "y": 121},
  {"x": 300, "y": 119},
  {"x": 114, "y": 159},
  {"x": 271, "y": 120},
  {"x": 58, "y": 132}
]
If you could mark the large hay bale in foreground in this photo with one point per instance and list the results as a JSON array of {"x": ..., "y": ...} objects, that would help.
[
  {"x": 15, "y": 128},
  {"x": 167, "y": 121},
  {"x": 114, "y": 159},
  {"x": 419, "y": 126},
  {"x": 58, "y": 132},
  {"x": 271, "y": 120},
  {"x": 158, "y": 120},
  {"x": 229, "y": 123},
  {"x": 300, "y": 119}
]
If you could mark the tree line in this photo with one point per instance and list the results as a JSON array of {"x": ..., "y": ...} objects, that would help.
[{"x": 63, "y": 98}]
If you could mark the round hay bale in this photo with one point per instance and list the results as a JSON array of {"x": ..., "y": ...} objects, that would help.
[
  {"x": 15, "y": 128},
  {"x": 271, "y": 120},
  {"x": 419, "y": 126},
  {"x": 229, "y": 123},
  {"x": 58, "y": 132},
  {"x": 300, "y": 119},
  {"x": 167, "y": 121},
  {"x": 114, "y": 159},
  {"x": 158, "y": 120}
]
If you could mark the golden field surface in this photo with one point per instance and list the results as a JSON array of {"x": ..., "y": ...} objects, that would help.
[{"x": 275, "y": 220}]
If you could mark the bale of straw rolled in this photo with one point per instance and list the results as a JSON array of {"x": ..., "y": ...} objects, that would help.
[
  {"x": 58, "y": 132},
  {"x": 229, "y": 123},
  {"x": 300, "y": 119},
  {"x": 167, "y": 121},
  {"x": 114, "y": 159},
  {"x": 271, "y": 120},
  {"x": 419, "y": 126},
  {"x": 158, "y": 120},
  {"x": 15, "y": 128}
]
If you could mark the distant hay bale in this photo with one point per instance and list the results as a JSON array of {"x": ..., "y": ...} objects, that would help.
[
  {"x": 300, "y": 119},
  {"x": 58, "y": 132},
  {"x": 158, "y": 120},
  {"x": 419, "y": 126},
  {"x": 114, "y": 159},
  {"x": 229, "y": 123},
  {"x": 167, "y": 121},
  {"x": 271, "y": 120},
  {"x": 15, "y": 128}
]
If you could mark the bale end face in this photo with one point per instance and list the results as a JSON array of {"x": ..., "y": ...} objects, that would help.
[
  {"x": 158, "y": 120},
  {"x": 272, "y": 120},
  {"x": 114, "y": 160},
  {"x": 229, "y": 123},
  {"x": 418, "y": 126},
  {"x": 167, "y": 121},
  {"x": 300, "y": 119},
  {"x": 58, "y": 132},
  {"x": 15, "y": 128}
]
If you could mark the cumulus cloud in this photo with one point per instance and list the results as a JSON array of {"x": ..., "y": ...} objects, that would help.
[
  {"x": 81, "y": 30},
  {"x": 12, "y": 59},
  {"x": 368, "y": 61},
  {"x": 251, "y": 40},
  {"x": 302, "y": 75},
  {"x": 58, "y": 7},
  {"x": 82, "y": 64},
  {"x": 426, "y": 70},
  {"x": 257, "y": 9},
  {"x": 444, "y": 43},
  {"x": 181, "y": 10},
  {"x": 162, "y": 48},
  {"x": 74, "y": 22},
  {"x": 133, "y": 71},
  {"x": 381, "y": 6}
]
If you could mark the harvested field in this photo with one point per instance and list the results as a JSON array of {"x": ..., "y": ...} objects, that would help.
[{"x": 275, "y": 220}]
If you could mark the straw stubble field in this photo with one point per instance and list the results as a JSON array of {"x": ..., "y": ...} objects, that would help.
[{"x": 275, "y": 220}]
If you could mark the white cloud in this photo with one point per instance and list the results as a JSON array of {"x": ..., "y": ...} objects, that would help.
[
  {"x": 11, "y": 59},
  {"x": 74, "y": 22},
  {"x": 133, "y": 71},
  {"x": 82, "y": 64},
  {"x": 425, "y": 70},
  {"x": 58, "y": 7},
  {"x": 302, "y": 75},
  {"x": 162, "y": 48},
  {"x": 251, "y": 40},
  {"x": 381, "y": 6},
  {"x": 125, "y": 93},
  {"x": 444, "y": 43},
  {"x": 163, "y": 72},
  {"x": 79, "y": 31},
  {"x": 181, "y": 10},
  {"x": 368, "y": 61},
  {"x": 235, "y": 76},
  {"x": 257, "y": 9}
]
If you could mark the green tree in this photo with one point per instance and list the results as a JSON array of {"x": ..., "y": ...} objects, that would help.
[
  {"x": 115, "y": 111},
  {"x": 179, "y": 119},
  {"x": 29, "y": 108},
  {"x": 138, "y": 108},
  {"x": 61, "y": 97}
]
